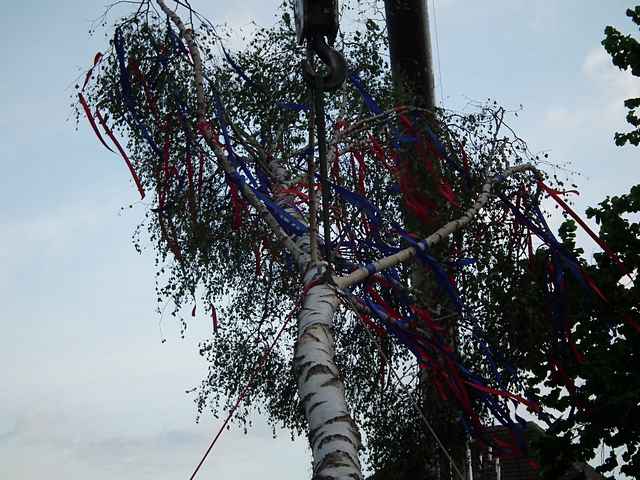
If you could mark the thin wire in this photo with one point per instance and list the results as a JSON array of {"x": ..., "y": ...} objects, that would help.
[
  {"x": 422, "y": 415},
  {"x": 435, "y": 27}
]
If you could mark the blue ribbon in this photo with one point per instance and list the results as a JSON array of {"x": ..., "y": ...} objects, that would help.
[
  {"x": 368, "y": 99},
  {"x": 125, "y": 85}
]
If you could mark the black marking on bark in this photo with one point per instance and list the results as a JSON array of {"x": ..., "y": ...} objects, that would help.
[
  {"x": 309, "y": 334},
  {"x": 328, "y": 302},
  {"x": 335, "y": 436},
  {"x": 317, "y": 370},
  {"x": 304, "y": 365},
  {"x": 334, "y": 382},
  {"x": 299, "y": 368},
  {"x": 334, "y": 459},
  {"x": 315, "y": 405},
  {"x": 313, "y": 434},
  {"x": 341, "y": 418},
  {"x": 307, "y": 397},
  {"x": 345, "y": 418}
]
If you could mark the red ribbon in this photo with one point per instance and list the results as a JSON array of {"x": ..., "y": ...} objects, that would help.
[
  {"x": 440, "y": 388},
  {"x": 166, "y": 172},
  {"x": 427, "y": 319},
  {"x": 419, "y": 208},
  {"x": 631, "y": 322},
  {"x": 378, "y": 152},
  {"x": 593, "y": 286},
  {"x": 214, "y": 318},
  {"x": 87, "y": 112},
  {"x": 207, "y": 128},
  {"x": 200, "y": 175},
  {"x": 96, "y": 60},
  {"x": 390, "y": 311},
  {"x": 137, "y": 73},
  {"x": 189, "y": 164},
  {"x": 554, "y": 194},
  {"x": 192, "y": 199},
  {"x": 257, "y": 251},
  {"x": 136, "y": 179},
  {"x": 335, "y": 168},
  {"x": 371, "y": 325},
  {"x": 406, "y": 123},
  {"x": 447, "y": 192},
  {"x": 503, "y": 393},
  {"x": 296, "y": 192}
]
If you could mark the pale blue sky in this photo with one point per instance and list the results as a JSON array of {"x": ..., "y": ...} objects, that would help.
[{"x": 88, "y": 389}]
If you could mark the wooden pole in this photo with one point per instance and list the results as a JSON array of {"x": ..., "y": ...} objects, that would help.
[
  {"x": 410, "y": 49},
  {"x": 413, "y": 77}
]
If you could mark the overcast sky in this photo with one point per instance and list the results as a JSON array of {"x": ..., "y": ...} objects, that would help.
[{"x": 87, "y": 388}]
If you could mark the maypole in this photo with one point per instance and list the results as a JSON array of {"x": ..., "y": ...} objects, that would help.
[{"x": 164, "y": 91}]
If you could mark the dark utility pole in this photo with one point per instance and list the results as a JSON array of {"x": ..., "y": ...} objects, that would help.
[
  {"x": 410, "y": 49},
  {"x": 413, "y": 78}
]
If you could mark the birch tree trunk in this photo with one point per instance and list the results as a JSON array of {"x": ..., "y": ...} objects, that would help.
[{"x": 333, "y": 435}]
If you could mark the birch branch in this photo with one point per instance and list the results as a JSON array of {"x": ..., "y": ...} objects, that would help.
[
  {"x": 219, "y": 152},
  {"x": 408, "y": 253}
]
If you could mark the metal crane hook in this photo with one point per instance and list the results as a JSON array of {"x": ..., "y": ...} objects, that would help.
[{"x": 335, "y": 62}]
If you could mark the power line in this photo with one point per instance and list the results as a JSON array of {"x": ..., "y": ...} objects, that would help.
[{"x": 435, "y": 28}]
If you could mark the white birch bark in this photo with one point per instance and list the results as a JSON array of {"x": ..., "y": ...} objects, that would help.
[{"x": 333, "y": 435}]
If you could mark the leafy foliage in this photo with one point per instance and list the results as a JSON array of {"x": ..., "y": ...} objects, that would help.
[
  {"x": 607, "y": 393},
  {"x": 625, "y": 54}
]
